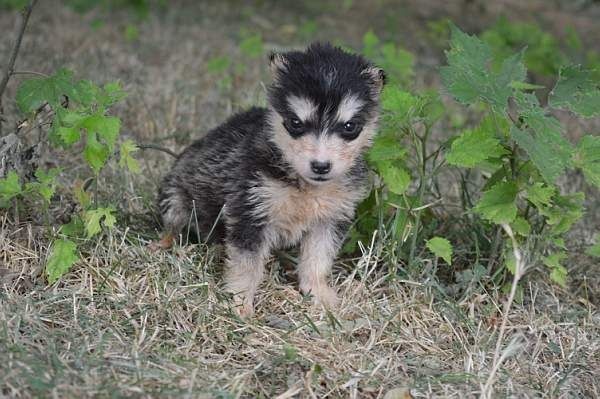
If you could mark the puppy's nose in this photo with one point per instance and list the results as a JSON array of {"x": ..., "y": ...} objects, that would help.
[{"x": 320, "y": 168}]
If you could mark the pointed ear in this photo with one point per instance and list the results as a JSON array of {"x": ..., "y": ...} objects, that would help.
[
  {"x": 377, "y": 78},
  {"x": 277, "y": 64}
]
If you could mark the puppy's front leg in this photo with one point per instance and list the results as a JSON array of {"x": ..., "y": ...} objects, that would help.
[
  {"x": 318, "y": 250},
  {"x": 243, "y": 275}
]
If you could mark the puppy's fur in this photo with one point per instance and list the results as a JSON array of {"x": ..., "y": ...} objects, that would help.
[{"x": 290, "y": 173}]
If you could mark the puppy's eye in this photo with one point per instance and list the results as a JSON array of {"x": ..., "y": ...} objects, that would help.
[
  {"x": 350, "y": 130},
  {"x": 349, "y": 127},
  {"x": 294, "y": 126},
  {"x": 295, "y": 123}
]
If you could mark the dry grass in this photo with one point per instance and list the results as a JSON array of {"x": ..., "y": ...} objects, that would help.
[{"x": 127, "y": 322}]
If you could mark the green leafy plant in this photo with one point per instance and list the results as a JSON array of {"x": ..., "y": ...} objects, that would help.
[
  {"x": 517, "y": 148},
  {"x": 399, "y": 156},
  {"x": 520, "y": 145},
  {"x": 80, "y": 122}
]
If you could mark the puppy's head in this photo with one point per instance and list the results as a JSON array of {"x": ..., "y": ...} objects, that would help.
[{"x": 324, "y": 109}]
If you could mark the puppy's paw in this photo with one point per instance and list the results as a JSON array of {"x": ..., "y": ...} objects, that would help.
[
  {"x": 323, "y": 295},
  {"x": 244, "y": 309},
  {"x": 163, "y": 244}
]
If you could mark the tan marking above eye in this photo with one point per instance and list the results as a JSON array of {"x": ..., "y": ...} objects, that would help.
[
  {"x": 348, "y": 107},
  {"x": 304, "y": 108}
]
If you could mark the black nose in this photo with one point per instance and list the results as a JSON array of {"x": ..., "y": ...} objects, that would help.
[{"x": 320, "y": 168}]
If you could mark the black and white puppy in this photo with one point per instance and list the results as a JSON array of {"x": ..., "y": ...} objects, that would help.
[{"x": 289, "y": 173}]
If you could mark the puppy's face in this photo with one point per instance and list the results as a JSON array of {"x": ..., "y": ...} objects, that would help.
[{"x": 324, "y": 109}]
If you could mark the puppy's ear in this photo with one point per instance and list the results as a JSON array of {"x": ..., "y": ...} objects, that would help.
[
  {"x": 277, "y": 64},
  {"x": 376, "y": 77}
]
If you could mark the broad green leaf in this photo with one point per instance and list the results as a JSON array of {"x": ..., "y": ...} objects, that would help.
[
  {"x": 587, "y": 158},
  {"x": 126, "y": 160},
  {"x": 467, "y": 70},
  {"x": 398, "y": 105},
  {"x": 539, "y": 194},
  {"x": 82, "y": 196},
  {"x": 87, "y": 92},
  {"x": 521, "y": 226},
  {"x": 93, "y": 217},
  {"x": 10, "y": 187},
  {"x": 106, "y": 127},
  {"x": 45, "y": 186},
  {"x": 71, "y": 118},
  {"x": 111, "y": 94},
  {"x": 498, "y": 204},
  {"x": 386, "y": 148},
  {"x": 474, "y": 146},
  {"x": 62, "y": 258},
  {"x": 95, "y": 153},
  {"x": 576, "y": 90},
  {"x": 395, "y": 177},
  {"x": 441, "y": 248},
  {"x": 542, "y": 138},
  {"x": 469, "y": 78},
  {"x": 563, "y": 213},
  {"x": 496, "y": 123},
  {"x": 69, "y": 135},
  {"x": 558, "y": 272},
  {"x": 32, "y": 93},
  {"x": 512, "y": 72},
  {"x": 75, "y": 228}
]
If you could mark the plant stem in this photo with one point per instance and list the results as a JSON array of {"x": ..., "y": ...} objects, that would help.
[
  {"x": 420, "y": 195},
  {"x": 151, "y": 146},
  {"x": 40, "y": 74},
  {"x": 96, "y": 190},
  {"x": 519, "y": 270},
  {"x": 9, "y": 68}
]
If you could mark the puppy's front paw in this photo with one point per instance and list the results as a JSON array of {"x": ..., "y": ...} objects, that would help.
[
  {"x": 243, "y": 308},
  {"x": 323, "y": 295}
]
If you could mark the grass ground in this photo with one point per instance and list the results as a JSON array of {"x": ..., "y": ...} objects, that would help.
[{"x": 127, "y": 322}]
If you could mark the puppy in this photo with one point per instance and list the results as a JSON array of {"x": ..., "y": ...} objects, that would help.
[{"x": 286, "y": 174}]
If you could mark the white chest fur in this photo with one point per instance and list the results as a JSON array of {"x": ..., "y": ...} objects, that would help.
[{"x": 291, "y": 211}]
